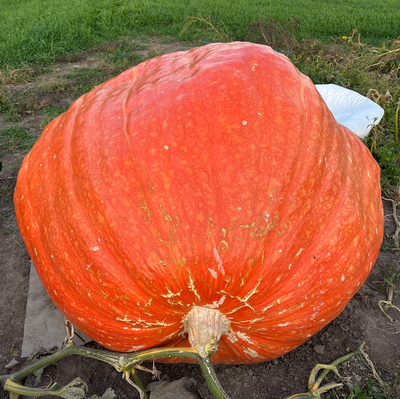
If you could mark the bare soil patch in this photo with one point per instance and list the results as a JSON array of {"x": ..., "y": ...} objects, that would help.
[{"x": 362, "y": 320}]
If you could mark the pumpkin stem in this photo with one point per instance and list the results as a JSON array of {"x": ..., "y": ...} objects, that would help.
[{"x": 204, "y": 327}]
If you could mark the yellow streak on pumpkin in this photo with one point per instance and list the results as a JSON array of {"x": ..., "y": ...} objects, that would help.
[
  {"x": 173, "y": 257},
  {"x": 169, "y": 249},
  {"x": 165, "y": 215},
  {"x": 148, "y": 303},
  {"x": 245, "y": 299},
  {"x": 223, "y": 246},
  {"x": 171, "y": 294},
  {"x": 270, "y": 227},
  {"x": 146, "y": 208},
  {"x": 252, "y": 321},
  {"x": 144, "y": 323},
  {"x": 173, "y": 303},
  {"x": 148, "y": 314},
  {"x": 150, "y": 187},
  {"x": 162, "y": 262},
  {"x": 192, "y": 287},
  {"x": 244, "y": 337},
  {"x": 232, "y": 337},
  {"x": 227, "y": 280},
  {"x": 244, "y": 226},
  {"x": 252, "y": 328},
  {"x": 171, "y": 233},
  {"x": 163, "y": 339},
  {"x": 251, "y": 352},
  {"x": 269, "y": 307}
]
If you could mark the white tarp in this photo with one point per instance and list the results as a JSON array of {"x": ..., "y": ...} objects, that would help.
[
  {"x": 351, "y": 109},
  {"x": 44, "y": 324}
]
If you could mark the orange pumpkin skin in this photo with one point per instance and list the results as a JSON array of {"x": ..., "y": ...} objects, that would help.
[{"x": 215, "y": 177}]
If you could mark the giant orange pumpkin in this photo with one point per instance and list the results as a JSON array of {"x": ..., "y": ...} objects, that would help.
[{"x": 209, "y": 179}]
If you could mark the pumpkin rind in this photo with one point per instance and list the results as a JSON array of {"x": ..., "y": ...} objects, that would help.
[{"x": 216, "y": 178}]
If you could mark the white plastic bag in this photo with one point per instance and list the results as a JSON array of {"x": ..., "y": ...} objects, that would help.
[{"x": 351, "y": 109}]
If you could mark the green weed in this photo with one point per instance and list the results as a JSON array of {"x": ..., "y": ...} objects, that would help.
[
  {"x": 15, "y": 138},
  {"x": 6, "y": 190},
  {"x": 117, "y": 56},
  {"x": 85, "y": 79},
  {"x": 56, "y": 87},
  {"x": 8, "y": 108},
  {"x": 279, "y": 35},
  {"x": 369, "y": 391},
  {"x": 386, "y": 246},
  {"x": 12, "y": 115},
  {"x": 152, "y": 53},
  {"x": 51, "y": 112},
  {"x": 4, "y": 105},
  {"x": 25, "y": 74},
  {"x": 206, "y": 29},
  {"x": 30, "y": 99},
  {"x": 125, "y": 55}
]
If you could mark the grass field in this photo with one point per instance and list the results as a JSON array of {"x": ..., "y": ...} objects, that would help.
[
  {"x": 94, "y": 40},
  {"x": 37, "y": 31}
]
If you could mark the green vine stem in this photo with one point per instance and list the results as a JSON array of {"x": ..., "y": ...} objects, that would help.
[
  {"x": 122, "y": 363},
  {"x": 75, "y": 389},
  {"x": 139, "y": 384},
  {"x": 204, "y": 327},
  {"x": 126, "y": 363},
  {"x": 211, "y": 378}
]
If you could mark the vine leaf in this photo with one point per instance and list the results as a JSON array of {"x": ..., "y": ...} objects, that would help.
[
  {"x": 184, "y": 388},
  {"x": 38, "y": 376},
  {"x": 14, "y": 352},
  {"x": 108, "y": 394},
  {"x": 74, "y": 390}
]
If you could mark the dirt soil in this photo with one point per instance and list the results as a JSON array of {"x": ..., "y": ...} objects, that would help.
[{"x": 362, "y": 320}]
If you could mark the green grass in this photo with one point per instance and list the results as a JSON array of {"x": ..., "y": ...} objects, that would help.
[
  {"x": 367, "y": 392},
  {"x": 15, "y": 138},
  {"x": 50, "y": 113},
  {"x": 86, "y": 79},
  {"x": 37, "y": 31},
  {"x": 4, "y": 106}
]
